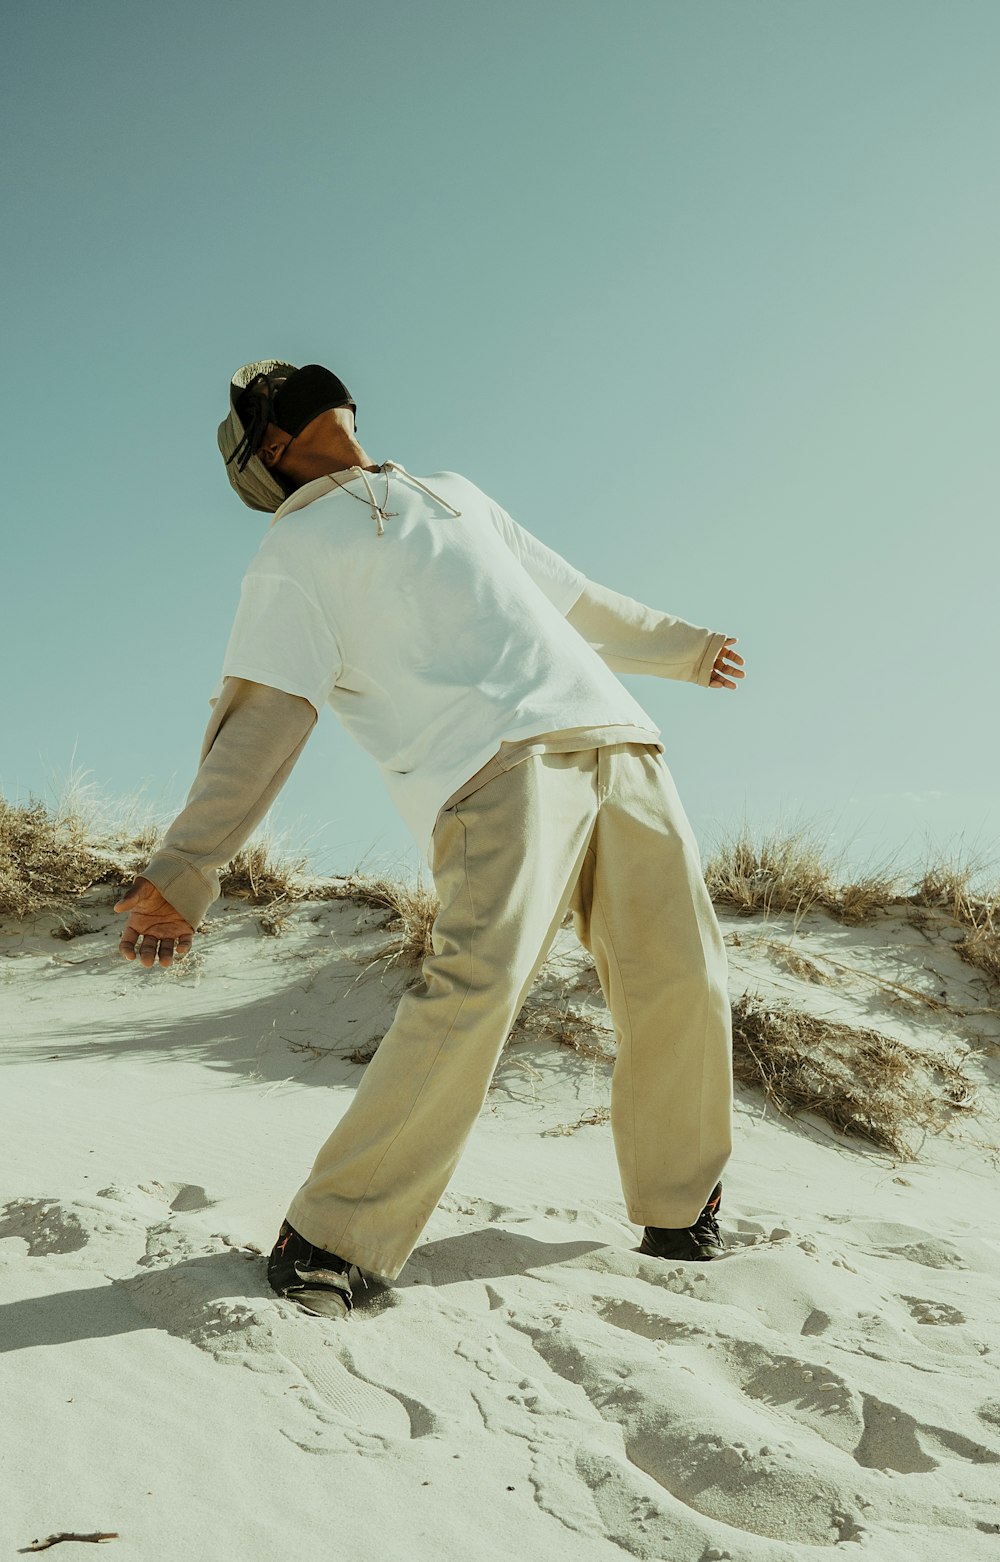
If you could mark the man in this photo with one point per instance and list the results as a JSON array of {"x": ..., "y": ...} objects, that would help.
[{"x": 478, "y": 667}]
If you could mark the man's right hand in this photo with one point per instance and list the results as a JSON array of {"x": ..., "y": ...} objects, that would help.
[{"x": 152, "y": 919}]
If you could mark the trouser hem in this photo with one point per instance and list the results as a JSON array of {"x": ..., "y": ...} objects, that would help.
[
  {"x": 371, "y": 1260},
  {"x": 666, "y": 1217}
]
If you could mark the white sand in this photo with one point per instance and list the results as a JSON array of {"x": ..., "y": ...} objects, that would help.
[{"x": 530, "y": 1385}]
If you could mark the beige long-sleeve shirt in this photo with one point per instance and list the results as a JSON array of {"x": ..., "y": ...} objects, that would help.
[{"x": 256, "y": 733}]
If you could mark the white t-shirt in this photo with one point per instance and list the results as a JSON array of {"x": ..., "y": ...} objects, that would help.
[{"x": 434, "y": 642}]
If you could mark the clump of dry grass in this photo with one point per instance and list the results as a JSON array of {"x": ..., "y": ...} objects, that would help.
[
  {"x": 259, "y": 875},
  {"x": 591, "y": 1118},
  {"x": 542, "y": 1020},
  {"x": 274, "y": 916},
  {"x": 861, "y": 1081},
  {"x": 264, "y": 878},
  {"x": 946, "y": 884},
  {"x": 46, "y": 859},
  {"x": 565, "y": 1027},
  {"x": 794, "y": 871},
  {"x": 981, "y": 944},
  {"x": 860, "y": 899},
  {"x": 49, "y": 857},
  {"x": 780, "y": 873},
  {"x": 68, "y": 928},
  {"x": 798, "y": 964},
  {"x": 277, "y": 883},
  {"x": 363, "y": 1053},
  {"x": 412, "y": 909}
]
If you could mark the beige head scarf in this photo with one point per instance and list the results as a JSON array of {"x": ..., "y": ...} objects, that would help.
[{"x": 254, "y": 484}]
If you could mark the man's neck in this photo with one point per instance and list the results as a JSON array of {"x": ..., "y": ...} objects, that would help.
[
  {"x": 348, "y": 454},
  {"x": 322, "y": 463}
]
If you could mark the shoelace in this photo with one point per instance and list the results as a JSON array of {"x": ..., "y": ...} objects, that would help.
[{"x": 707, "y": 1223}]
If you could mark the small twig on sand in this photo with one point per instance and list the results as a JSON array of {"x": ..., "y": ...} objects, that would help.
[{"x": 65, "y": 1534}]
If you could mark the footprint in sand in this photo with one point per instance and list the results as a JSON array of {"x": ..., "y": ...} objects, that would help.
[
  {"x": 199, "y": 1286},
  {"x": 481, "y": 1209},
  {"x": 797, "y": 1451},
  {"x": 342, "y": 1404},
  {"x": 746, "y": 1473}
]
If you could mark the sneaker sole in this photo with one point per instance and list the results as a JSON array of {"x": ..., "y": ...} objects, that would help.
[
  {"x": 319, "y": 1291},
  {"x": 704, "y": 1256},
  {"x": 320, "y": 1302}
]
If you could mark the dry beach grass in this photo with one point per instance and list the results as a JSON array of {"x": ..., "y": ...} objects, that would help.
[
  {"x": 865, "y": 1083},
  {"x": 49, "y": 857},
  {"x": 796, "y": 872}
]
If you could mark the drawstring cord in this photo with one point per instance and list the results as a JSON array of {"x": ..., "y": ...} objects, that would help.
[
  {"x": 395, "y": 466},
  {"x": 379, "y": 511}
]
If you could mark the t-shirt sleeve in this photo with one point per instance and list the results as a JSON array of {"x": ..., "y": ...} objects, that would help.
[
  {"x": 282, "y": 637},
  {"x": 561, "y": 582}
]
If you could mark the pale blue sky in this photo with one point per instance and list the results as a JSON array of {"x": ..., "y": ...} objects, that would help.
[{"x": 704, "y": 294}]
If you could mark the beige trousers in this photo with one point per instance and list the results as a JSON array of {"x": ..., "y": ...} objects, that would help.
[{"x": 601, "y": 831}]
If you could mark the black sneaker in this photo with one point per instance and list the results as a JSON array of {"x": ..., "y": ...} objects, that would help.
[
  {"x": 701, "y": 1241},
  {"x": 318, "y": 1281}
]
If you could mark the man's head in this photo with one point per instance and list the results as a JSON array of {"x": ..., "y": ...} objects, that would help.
[{"x": 280, "y": 425}]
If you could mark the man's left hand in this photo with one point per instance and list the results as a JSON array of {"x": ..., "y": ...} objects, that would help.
[
  {"x": 727, "y": 665},
  {"x": 152, "y": 919}
]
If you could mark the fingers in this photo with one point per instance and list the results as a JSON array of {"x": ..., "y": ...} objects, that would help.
[
  {"x": 728, "y": 665},
  {"x": 720, "y": 680},
  {"x": 147, "y": 947},
  {"x": 152, "y": 946},
  {"x": 147, "y": 950},
  {"x": 723, "y": 674},
  {"x": 133, "y": 944}
]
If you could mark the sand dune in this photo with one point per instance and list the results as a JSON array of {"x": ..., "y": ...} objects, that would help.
[{"x": 530, "y": 1384}]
